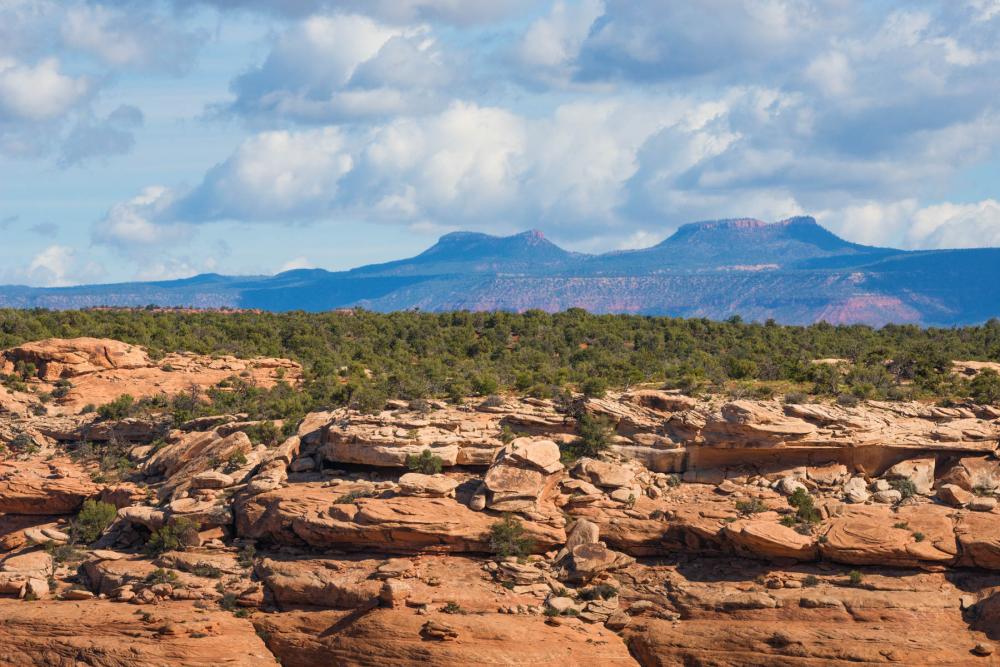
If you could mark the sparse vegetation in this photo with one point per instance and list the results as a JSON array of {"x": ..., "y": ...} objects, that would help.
[
  {"x": 453, "y": 608},
  {"x": 750, "y": 507},
  {"x": 92, "y": 520},
  {"x": 507, "y": 538},
  {"x": 352, "y": 496},
  {"x": 594, "y": 387},
  {"x": 206, "y": 570},
  {"x": 161, "y": 576},
  {"x": 120, "y": 408},
  {"x": 906, "y": 487},
  {"x": 247, "y": 555},
  {"x": 174, "y": 536},
  {"x": 600, "y": 591},
  {"x": 427, "y": 462},
  {"x": 985, "y": 387},
  {"x": 855, "y": 577},
  {"x": 595, "y": 437},
  {"x": 235, "y": 461},
  {"x": 805, "y": 507}
]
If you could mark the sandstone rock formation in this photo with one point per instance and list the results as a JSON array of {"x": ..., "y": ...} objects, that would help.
[
  {"x": 708, "y": 532},
  {"x": 97, "y": 371}
]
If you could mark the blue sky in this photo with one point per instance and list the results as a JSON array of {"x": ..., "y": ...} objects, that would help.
[{"x": 152, "y": 140}]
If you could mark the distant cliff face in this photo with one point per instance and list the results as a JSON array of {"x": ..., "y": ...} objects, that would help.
[{"x": 793, "y": 271}]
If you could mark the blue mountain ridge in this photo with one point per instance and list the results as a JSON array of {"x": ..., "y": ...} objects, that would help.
[{"x": 794, "y": 271}]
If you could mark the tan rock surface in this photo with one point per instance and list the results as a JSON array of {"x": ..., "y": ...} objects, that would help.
[
  {"x": 95, "y": 632},
  {"x": 393, "y": 637},
  {"x": 101, "y": 370},
  {"x": 44, "y": 487},
  {"x": 310, "y": 514}
]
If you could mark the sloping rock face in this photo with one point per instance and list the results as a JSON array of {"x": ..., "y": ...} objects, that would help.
[
  {"x": 99, "y": 371},
  {"x": 95, "y": 632},
  {"x": 805, "y": 617},
  {"x": 44, "y": 487},
  {"x": 388, "y": 637}
]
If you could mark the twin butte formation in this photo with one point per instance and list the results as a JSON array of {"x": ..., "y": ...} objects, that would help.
[{"x": 678, "y": 546}]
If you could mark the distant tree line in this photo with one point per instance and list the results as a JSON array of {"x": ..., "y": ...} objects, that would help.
[{"x": 361, "y": 358}]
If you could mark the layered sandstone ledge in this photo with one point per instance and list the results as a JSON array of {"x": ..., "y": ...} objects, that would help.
[{"x": 677, "y": 545}]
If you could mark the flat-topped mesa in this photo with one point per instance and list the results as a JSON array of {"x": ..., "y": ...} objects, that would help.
[{"x": 75, "y": 372}]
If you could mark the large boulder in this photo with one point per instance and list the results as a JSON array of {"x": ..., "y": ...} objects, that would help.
[
  {"x": 604, "y": 473},
  {"x": 770, "y": 540},
  {"x": 429, "y": 486},
  {"x": 973, "y": 472},
  {"x": 524, "y": 473},
  {"x": 918, "y": 471}
]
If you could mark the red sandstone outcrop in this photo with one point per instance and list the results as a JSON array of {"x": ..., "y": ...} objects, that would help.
[
  {"x": 99, "y": 371},
  {"x": 678, "y": 545}
]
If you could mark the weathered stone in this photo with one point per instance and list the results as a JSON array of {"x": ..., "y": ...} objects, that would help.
[
  {"x": 954, "y": 495},
  {"x": 433, "y": 486},
  {"x": 918, "y": 471}
]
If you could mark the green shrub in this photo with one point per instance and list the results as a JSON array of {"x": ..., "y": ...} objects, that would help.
[
  {"x": 427, "y": 462},
  {"x": 120, "y": 408},
  {"x": 368, "y": 400},
  {"x": 247, "y": 555},
  {"x": 848, "y": 400},
  {"x": 173, "y": 536},
  {"x": 906, "y": 487},
  {"x": 92, "y": 520},
  {"x": 206, "y": 570},
  {"x": 855, "y": 577},
  {"x": 810, "y": 581},
  {"x": 25, "y": 369},
  {"x": 594, "y": 387},
  {"x": 263, "y": 433},
  {"x": 351, "y": 496},
  {"x": 600, "y": 591},
  {"x": 796, "y": 398},
  {"x": 507, "y": 538},
  {"x": 24, "y": 444},
  {"x": 507, "y": 434},
  {"x": 161, "y": 576},
  {"x": 805, "y": 508},
  {"x": 235, "y": 461},
  {"x": 985, "y": 387},
  {"x": 595, "y": 437},
  {"x": 750, "y": 507},
  {"x": 485, "y": 384},
  {"x": 64, "y": 553},
  {"x": 492, "y": 401}
]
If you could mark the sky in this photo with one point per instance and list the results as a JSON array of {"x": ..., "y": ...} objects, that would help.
[{"x": 158, "y": 139}]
